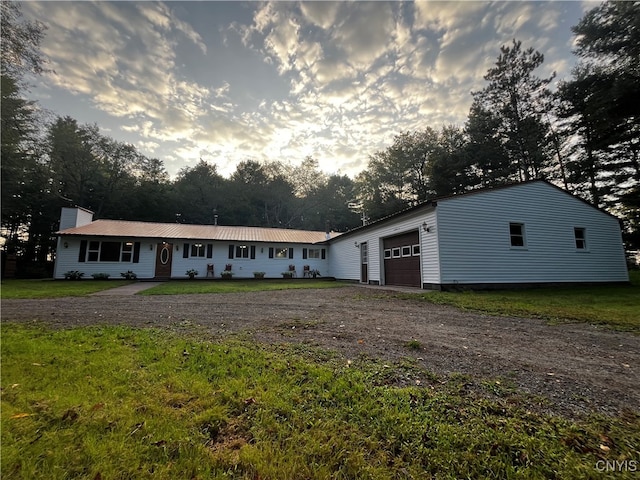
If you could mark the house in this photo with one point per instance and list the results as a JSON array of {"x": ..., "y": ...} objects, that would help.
[
  {"x": 520, "y": 234},
  {"x": 169, "y": 250}
]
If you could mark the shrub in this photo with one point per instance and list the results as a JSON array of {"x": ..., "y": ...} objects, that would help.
[
  {"x": 258, "y": 274},
  {"x": 100, "y": 276},
  {"x": 129, "y": 275},
  {"x": 192, "y": 272},
  {"x": 73, "y": 275}
]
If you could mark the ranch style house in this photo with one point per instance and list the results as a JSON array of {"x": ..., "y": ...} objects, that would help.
[{"x": 530, "y": 233}]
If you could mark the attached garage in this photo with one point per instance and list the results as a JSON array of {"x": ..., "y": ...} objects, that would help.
[{"x": 402, "y": 260}]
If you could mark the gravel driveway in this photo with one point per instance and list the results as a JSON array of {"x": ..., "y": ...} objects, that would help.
[{"x": 579, "y": 368}]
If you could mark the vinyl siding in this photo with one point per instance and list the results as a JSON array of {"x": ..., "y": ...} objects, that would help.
[
  {"x": 473, "y": 233},
  {"x": 67, "y": 259},
  {"x": 345, "y": 262}
]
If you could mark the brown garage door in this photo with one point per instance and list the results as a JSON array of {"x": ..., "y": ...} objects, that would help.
[{"x": 402, "y": 260}]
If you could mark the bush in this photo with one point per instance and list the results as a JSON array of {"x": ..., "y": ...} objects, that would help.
[
  {"x": 129, "y": 275},
  {"x": 100, "y": 276},
  {"x": 73, "y": 275}
]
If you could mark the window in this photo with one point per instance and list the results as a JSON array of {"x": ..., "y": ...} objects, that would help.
[
  {"x": 314, "y": 253},
  {"x": 96, "y": 251},
  {"x": 387, "y": 253},
  {"x": 581, "y": 238},
  {"x": 395, "y": 253},
  {"x": 127, "y": 252},
  {"x": 406, "y": 251},
  {"x": 416, "y": 250},
  {"x": 364, "y": 252},
  {"x": 110, "y": 252},
  {"x": 238, "y": 251},
  {"x": 197, "y": 250},
  {"x": 280, "y": 252},
  {"x": 516, "y": 232}
]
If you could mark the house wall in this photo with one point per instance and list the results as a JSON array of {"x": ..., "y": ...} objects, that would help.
[
  {"x": 345, "y": 257},
  {"x": 244, "y": 267},
  {"x": 473, "y": 233},
  {"x": 67, "y": 259}
]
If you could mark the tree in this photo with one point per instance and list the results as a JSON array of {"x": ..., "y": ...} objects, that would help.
[
  {"x": 20, "y": 44},
  {"x": 608, "y": 42},
  {"x": 450, "y": 169},
  {"x": 23, "y": 182},
  {"x": 488, "y": 158},
  {"x": 517, "y": 98},
  {"x": 199, "y": 190}
]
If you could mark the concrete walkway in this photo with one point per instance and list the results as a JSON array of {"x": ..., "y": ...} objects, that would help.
[{"x": 130, "y": 289}]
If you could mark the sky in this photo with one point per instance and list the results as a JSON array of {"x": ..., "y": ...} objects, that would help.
[{"x": 279, "y": 81}]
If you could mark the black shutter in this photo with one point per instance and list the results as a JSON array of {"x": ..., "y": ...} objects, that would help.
[
  {"x": 209, "y": 250},
  {"x": 304, "y": 253},
  {"x": 82, "y": 256},
  {"x": 270, "y": 252},
  {"x": 253, "y": 252},
  {"x": 136, "y": 252},
  {"x": 291, "y": 252},
  {"x": 185, "y": 250},
  {"x": 324, "y": 253},
  {"x": 231, "y": 248}
]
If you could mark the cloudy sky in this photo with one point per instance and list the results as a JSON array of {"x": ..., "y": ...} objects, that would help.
[{"x": 230, "y": 81}]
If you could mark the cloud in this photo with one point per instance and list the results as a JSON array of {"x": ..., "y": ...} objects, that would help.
[
  {"x": 364, "y": 32},
  {"x": 321, "y": 14}
]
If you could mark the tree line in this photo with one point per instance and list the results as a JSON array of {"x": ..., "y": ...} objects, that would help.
[{"x": 584, "y": 137}]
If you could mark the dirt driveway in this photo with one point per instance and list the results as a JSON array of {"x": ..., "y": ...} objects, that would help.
[{"x": 579, "y": 368}]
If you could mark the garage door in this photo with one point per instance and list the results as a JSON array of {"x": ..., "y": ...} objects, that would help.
[{"x": 402, "y": 260}]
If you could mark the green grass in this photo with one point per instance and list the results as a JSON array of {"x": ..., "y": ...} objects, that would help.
[
  {"x": 54, "y": 288},
  {"x": 233, "y": 286},
  {"x": 125, "y": 403},
  {"x": 617, "y": 306}
]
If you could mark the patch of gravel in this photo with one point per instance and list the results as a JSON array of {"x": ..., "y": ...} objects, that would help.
[{"x": 574, "y": 368}]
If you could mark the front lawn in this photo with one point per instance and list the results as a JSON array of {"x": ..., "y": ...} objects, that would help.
[
  {"x": 116, "y": 402},
  {"x": 55, "y": 288},
  {"x": 615, "y": 305}
]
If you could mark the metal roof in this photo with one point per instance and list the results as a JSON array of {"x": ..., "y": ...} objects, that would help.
[{"x": 121, "y": 228}]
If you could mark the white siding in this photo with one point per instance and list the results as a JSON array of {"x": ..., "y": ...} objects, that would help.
[
  {"x": 67, "y": 259},
  {"x": 244, "y": 267},
  {"x": 345, "y": 263},
  {"x": 473, "y": 231}
]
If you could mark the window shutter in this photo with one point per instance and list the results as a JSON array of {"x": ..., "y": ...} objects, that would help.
[
  {"x": 304, "y": 253},
  {"x": 291, "y": 252},
  {"x": 82, "y": 256},
  {"x": 231, "y": 248},
  {"x": 136, "y": 252},
  {"x": 209, "y": 250},
  {"x": 270, "y": 252},
  {"x": 324, "y": 253},
  {"x": 185, "y": 250},
  {"x": 253, "y": 252}
]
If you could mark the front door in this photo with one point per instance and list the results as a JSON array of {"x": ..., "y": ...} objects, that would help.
[
  {"x": 364, "y": 263},
  {"x": 164, "y": 254}
]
